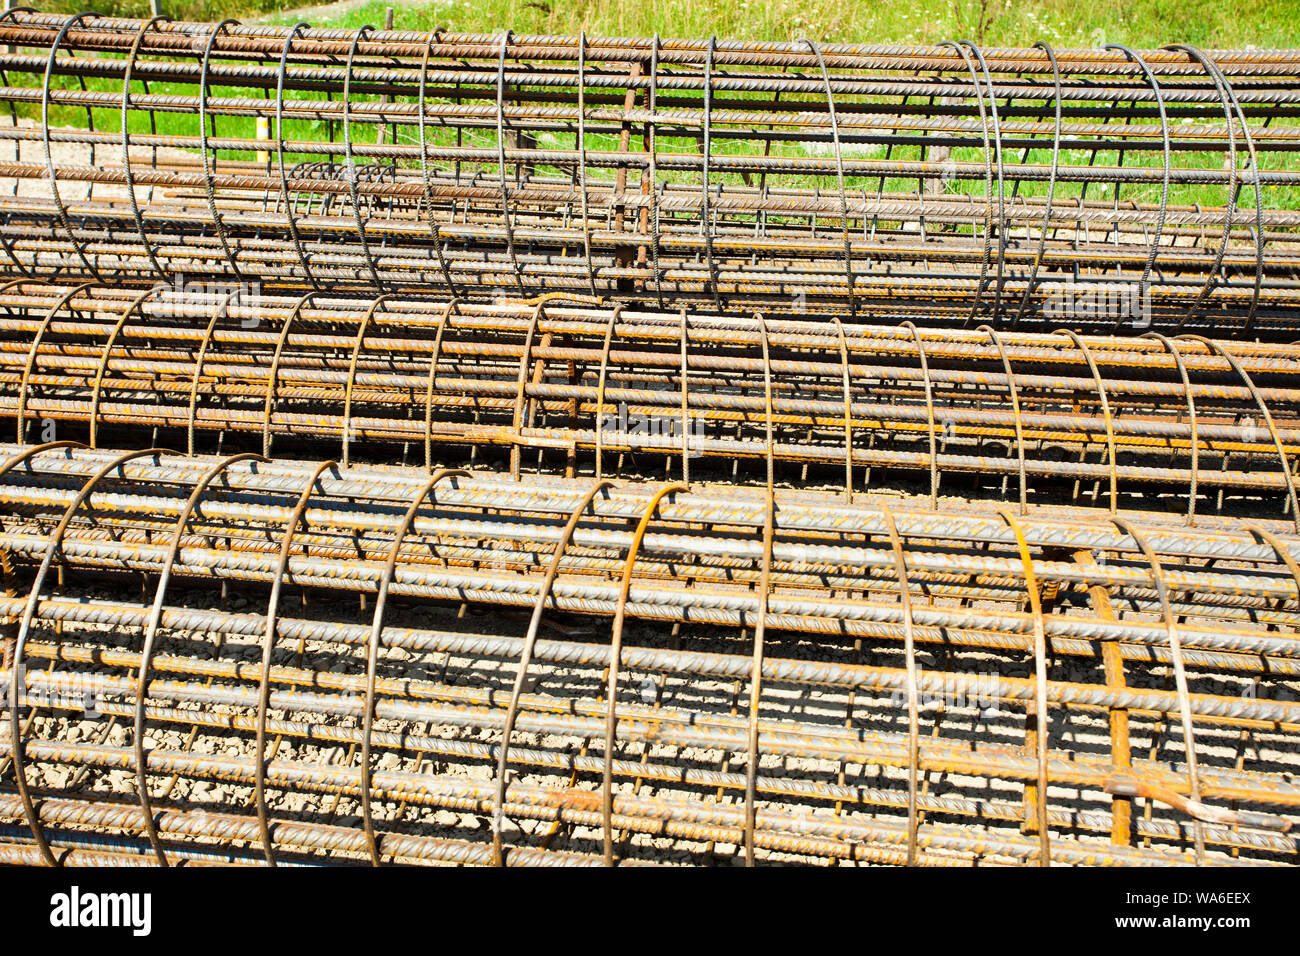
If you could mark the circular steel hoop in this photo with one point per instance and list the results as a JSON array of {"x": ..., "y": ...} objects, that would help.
[
  {"x": 997, "y": 153},
  {"x": 352, "y": 374},
  {"x": 16, "y": 672},
  {"x": 434, "y": 232},
  {"x": 1224, "y": 91},
  {"x": 525, "y": 658},
  {"x": 988, "y": 178},
  {"x": 150, "y": 638},
  {"x": 652, "y": 99},
  {"x": 20, "y": 644},
  {"x": 1281, "y": 550},
  {"x": 20, "y": 414},
  {"x": 600, "y": 389},
  {"x": 1032, "y": 281},
  {"x": 521, "y": 392},
  {"x": 507, "y": 218},
  {"x": 760, "y": 622},
  {"x": 1166, "y": 161},
  {"x": 372, "y": 654},
  {"x": 839, "y": 173},
  {"x": 217, "y": 314},
  {"x": 582, "y": 157},
  {"x": 756, "y": 678},
  {"x": 848, "y": 409},
  {"x": 706, "y": 229},
  {"x": 209, "y": 170},
  {"x": 615, "y": 661},
  {"x": 686, "y": 406},
  {"x": 1015, "y": 410},
  {"x": 443, "y": 324},
  {"x": 1215, "y": 71},
  {"x": 1237, "y": 367},
  {"x": 352, "y": 165},
  {"x": 1180, "y": 673},
  {"x": 126, "y": 144},
  {"x": 268, "y": 643},
  {"x": 913, "y": 694},
  {"x": 105, "y": 357},
  {"x": 1105, "y": 410},
  {"x": 64, "y": 218},
  {"x": 1176, "y": 354},
  {"x": 289, "y": 220},
  {"x": 273, "y": 375},
  {"x": 929, "y": 413},
  {"x": 32, "y": 451},
  {"x": 12, "y": 10},
  {"x": 1040, "y": 685}
]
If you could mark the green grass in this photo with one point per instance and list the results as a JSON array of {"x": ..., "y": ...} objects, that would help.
[
  {"x": 1065, "y": 23},
  {"x": 177, "y": 9}
]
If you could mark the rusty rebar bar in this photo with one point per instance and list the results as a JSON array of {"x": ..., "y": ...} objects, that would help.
[
  {"x": 427, "y": 695},
  {"x": 1163, "y": 424},
  {"x": 796, "y": 178}
]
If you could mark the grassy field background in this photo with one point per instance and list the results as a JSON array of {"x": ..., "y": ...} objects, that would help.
[{"x": 1063, "y": 23}]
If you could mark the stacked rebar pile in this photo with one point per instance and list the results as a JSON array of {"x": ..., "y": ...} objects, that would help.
[
  {"x": 439, "y": 719},
  {"x": 949, "y": 184},
  {"x": 599, "y": 451},
  {"x": 1181, "y": 424}
]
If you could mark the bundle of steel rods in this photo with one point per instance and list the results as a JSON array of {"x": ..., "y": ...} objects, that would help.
[
  {"x": 1183, "y": 424},
  {"x": 949, "y": 184},
  {"x": 566, "y": 451},
  {"x": 581, "y": 733}
]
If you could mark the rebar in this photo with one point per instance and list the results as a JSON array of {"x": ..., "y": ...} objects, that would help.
[
  {"x": 179, "y": 692},
  {"x": 949, "y": 185},
  {"x": 1183, "y": 424},
  {"x": 583, "y": 451}
]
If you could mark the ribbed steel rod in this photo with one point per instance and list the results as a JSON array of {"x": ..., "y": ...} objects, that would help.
[
  {"x": 1001, "y": 337},
  {"x": 1186, "y": 424},
  {"x": 947, "y": 183},
  {"x": 178, "y": 691}
]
